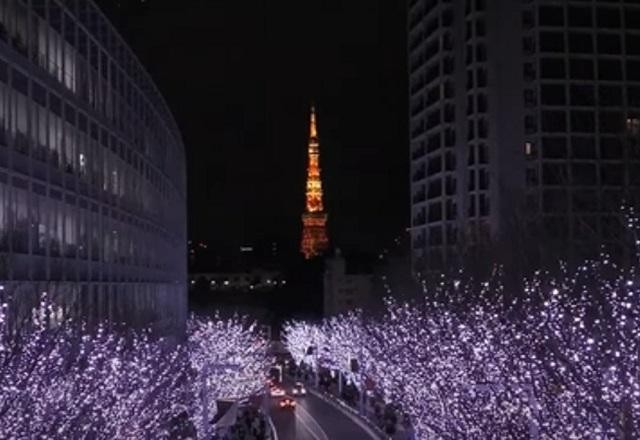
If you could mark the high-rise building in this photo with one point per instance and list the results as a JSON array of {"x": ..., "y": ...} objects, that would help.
[
  {"x": 314, "y": 220},
  {"x": 347, "y": 284},
  {"x": 92, "y": 171},
  {"x": 523, "y": 128}
]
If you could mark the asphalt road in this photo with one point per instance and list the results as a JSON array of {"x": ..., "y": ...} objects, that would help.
[{"x": 314, "y": 419}]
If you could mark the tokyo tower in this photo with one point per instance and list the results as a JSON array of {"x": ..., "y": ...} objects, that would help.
[{"x": 314, "y": 219}]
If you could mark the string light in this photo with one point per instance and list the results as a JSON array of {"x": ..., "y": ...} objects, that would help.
[
  {"x": 560, "y": 362},
  {"x": 60, "y": 381}
]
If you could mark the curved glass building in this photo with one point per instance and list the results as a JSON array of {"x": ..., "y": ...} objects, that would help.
[{"x": 92, "y": 171}]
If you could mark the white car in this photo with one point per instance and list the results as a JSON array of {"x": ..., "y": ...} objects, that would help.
[
  {"x": 299, "y": 389},
  {"x": 277, "y": 392}
]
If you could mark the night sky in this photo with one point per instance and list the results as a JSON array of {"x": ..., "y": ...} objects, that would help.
[{"x": 239, "y": 78}]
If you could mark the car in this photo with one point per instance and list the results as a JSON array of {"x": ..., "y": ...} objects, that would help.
[
  {"x": 276, "y": 391},
  {"x": 299, "y": 389},
  {"x": 287, "y": 403}
]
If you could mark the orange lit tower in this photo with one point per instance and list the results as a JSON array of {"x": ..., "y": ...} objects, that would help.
[{"x": 314, "y": 219}]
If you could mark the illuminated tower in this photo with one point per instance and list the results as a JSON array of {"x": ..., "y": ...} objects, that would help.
[{"x": 314, "y": 219}]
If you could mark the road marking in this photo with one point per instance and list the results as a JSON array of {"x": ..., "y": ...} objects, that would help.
[
  {"x": 317, "y": 433},
  {"x": 272, "y": 427}
]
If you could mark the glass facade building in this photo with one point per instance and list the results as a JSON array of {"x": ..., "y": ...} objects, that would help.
[
  {"x": 92, "y": 170},
  {"x": 524, "y": 128}
]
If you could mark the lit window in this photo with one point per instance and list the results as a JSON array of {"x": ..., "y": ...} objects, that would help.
[
  {"x": 633, "y": 126},
  {"x": 528, "y": 148},
  {"x": 82, "y": 160}
]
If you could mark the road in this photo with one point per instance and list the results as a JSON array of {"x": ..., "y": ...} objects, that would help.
[{"x": 314, "y": 419}]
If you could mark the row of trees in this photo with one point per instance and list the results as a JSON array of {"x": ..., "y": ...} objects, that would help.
[
  {"x": 60, "y": 380},
  {"x": 557, "y": 360}
]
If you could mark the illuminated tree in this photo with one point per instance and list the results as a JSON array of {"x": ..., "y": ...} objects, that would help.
[
  {"x": 59, "y": 380},
  {"x": 304, "y": 340},
  {"x": 229, "y": 359},
  {"x": 559, "y": 361}
]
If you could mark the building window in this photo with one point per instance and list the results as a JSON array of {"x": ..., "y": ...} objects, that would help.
[
  {"x": 552, "y": 68},
  {"x": 449, "y": 137},
  {"x": 581, "y": 69},
  {"x": 483, "y": 179},
  {"x": 583, "y": 148},
  {"x": 553, "y": 94},
  {"x": 632, "y": 44},
  {"x": 552, "y": 42},
  {"x": 580, "y": 43},
  {"x": 483, "y": 154},
  {"x": 612, "y": 174},
  {"x": 554, "y": 121},
  {"x": 530, "y": 124},
  {"x": 610, "y": 95},
  {"x": 529, "y": 71},
  {"x": 609, "y": 44},
  {"x": 481, "y": 53},
  {"x": 483, "y": 129},
  {"x": 554, "y": 201},
  {"x": 610, "y": 148},
  {"x": 481, "y": 29},
  {"x": 611, "y": 122},
  {"x": 633, "y": 126},
  {"x": 482, "y": 103},
  {"x": 481, "y": 77},
  {"x": 609, "y": 70},
  {"x": 580, "y": 17},
  {"x": 554, "y": 174},
  {"x": 633, "y": 96},
  {"x": 582, "y": 121},
  {"x": 484, "y": 205},
  {"x": 472, "y": 206},
  {"x": 551, "y": 16},
  {"x": 554, "y": 148},
  {"x": 608, "y": 17},
  {"x": 529, "y": 98},
  {"x": 532, "y": 176},
  {"x": 582, "y": 95},
  {"x": 527, "y": 19},
  {"x": 528, "y": 45}
]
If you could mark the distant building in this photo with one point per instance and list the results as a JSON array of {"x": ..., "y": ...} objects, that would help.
[
  {"x": 92, "y": 171},
  {"x": 524, "y": 119},
  {"x": 244, "y": 281},
  {"x": 212, "y": 257},
  {"x": 348, "y": 284}
]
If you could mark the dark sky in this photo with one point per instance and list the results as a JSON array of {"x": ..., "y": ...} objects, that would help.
[{"x": 239, "y": 77}]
